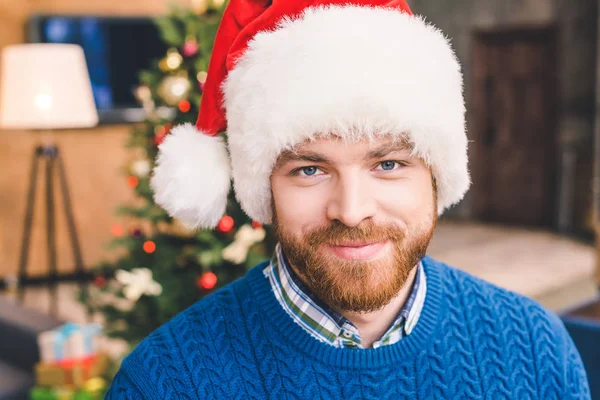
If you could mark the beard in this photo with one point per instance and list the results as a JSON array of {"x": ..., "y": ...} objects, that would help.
[{"x": 356, "y": 285}]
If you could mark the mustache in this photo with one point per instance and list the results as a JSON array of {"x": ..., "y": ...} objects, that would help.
[{"x": 337, "y": 233}]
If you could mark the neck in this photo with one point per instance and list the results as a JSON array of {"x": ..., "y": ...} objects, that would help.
[{"x": 372, "y": 325}]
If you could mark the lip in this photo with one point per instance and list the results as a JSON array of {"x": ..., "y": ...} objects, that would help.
[{"x": 357, "y": 250}]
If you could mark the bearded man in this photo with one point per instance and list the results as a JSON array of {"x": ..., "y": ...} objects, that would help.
[{"x": 346, "y": 131}]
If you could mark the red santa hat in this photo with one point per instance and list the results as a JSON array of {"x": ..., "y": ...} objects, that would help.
[{"x": 284, "y": 71}]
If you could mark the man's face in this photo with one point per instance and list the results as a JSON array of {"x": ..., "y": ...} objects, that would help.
[{"x": 354, "y": 218}]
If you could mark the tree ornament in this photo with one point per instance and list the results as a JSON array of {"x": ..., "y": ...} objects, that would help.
[
  {"x": 190, "y": 47},
  {"x": 184, "y": 106},
  {"x": 137, "y": 233},
  {"x": 159, "y": 138},
  {"x": 163, "y": 129},
  {"x": 174, "y": 89},
  {"x": 141, "y": 168},
  {"x": 149, "y": 246},
  {"x": 137, "y": 283},
  {"x": 225, "y": 224},
  {"x": 207, "y": 280},
  {"x": 245, "y": 237},
  {"x": 132, "y": 181},
  {"x": 100, "y": 281},
  {"x": 160, "y": 132},
  {"x": 256, "y": 224}
]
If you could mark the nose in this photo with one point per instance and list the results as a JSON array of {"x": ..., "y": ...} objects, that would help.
[{"x": 351, "y": 200}]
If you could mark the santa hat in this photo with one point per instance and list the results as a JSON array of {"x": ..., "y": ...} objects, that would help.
[{"x": 284, "y": 71}]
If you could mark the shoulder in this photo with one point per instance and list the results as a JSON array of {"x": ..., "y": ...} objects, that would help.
[
  {"x": 508, "y": 308},
  {"x": 529, "y": 330},
  {"x": 202, "y": 318},
  {"x": 160, "y": 364}
]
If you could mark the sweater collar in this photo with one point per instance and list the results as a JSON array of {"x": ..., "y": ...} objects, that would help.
[{"x": 280, "y": 328}]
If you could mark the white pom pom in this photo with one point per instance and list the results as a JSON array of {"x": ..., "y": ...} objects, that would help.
[{"x": 192, "y": 177}]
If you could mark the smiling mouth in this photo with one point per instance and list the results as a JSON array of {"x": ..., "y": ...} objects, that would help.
[{"x": 357, "y": 250}]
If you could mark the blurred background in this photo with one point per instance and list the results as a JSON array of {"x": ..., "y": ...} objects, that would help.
[{"x": 89, "y": 265}]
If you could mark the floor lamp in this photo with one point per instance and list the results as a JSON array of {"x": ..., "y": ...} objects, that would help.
[{"x": 44, "y": 87}]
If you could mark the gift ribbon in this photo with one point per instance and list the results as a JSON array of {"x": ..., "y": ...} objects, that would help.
[
  {"x": 62, "y": 334},
  {"x": 89, "y": 331}
]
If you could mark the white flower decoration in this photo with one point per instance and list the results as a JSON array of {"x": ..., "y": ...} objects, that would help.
[
  {"x": 246, "y": 236},
  {"x": 138, "y": 282}
]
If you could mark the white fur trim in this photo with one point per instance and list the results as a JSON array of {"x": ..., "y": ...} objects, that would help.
[
  {"x": 352, "y": 71},
  {"x": 191, "y": 179}
]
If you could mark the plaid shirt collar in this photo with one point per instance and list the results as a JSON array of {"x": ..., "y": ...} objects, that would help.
[{"x": 326, "y": 324}]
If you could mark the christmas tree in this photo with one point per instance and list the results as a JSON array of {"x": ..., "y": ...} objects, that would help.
[{"x": 164, "y": 267}]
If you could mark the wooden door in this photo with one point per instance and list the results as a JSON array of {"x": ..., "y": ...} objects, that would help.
[{"x": 514, "y": 158}]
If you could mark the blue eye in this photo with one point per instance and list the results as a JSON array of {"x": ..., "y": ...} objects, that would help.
[
  {"x": 388, "y": 165},
  {"x": 309, "y": 170}
]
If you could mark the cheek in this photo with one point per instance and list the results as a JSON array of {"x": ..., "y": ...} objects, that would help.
[
  {"x": 410, "y": 200},
  {"x": 298, "y": 208}
]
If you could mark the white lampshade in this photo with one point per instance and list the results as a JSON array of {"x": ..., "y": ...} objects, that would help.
[{"x": 45, "y": 86}]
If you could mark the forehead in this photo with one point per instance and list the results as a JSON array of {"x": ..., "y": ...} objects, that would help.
[
  {"x": 333, "y": 149},
  {"x": 333, "y": 143}
]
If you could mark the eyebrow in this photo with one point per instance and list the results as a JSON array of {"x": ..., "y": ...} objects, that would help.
[
  {"x": 311, "y": 156},
  {"x": 290, "y": 156},
  {"x": 388, "y": 148}
]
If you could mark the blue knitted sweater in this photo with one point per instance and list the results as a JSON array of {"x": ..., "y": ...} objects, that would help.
[{"x": 473, "y": 341}]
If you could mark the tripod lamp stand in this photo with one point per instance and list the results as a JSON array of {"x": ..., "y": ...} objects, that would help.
[{"x": 44, "y": 87}]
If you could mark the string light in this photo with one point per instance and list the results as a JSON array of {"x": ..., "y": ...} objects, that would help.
[
  {"x": 117, "y": 230},
  {"x": 174, "y": 59},
  {"x": 132, "y": 181}
]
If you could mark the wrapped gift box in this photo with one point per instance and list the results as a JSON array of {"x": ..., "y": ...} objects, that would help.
[
  {"x": 69, "y": 342},
  {"x": 93, "y": 389},
  {"x": 71, "y": 372}
]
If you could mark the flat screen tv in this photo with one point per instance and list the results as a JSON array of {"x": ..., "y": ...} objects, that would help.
[{"x": 116, "y": 49}]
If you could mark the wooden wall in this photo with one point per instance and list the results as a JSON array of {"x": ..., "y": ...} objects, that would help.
[{"x": 93, "y": 157}]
